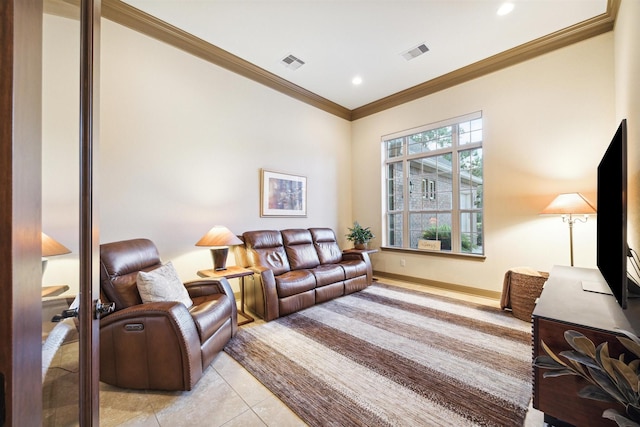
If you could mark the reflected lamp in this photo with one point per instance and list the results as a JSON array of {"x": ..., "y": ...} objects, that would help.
[{"x": 51, "y": 247}]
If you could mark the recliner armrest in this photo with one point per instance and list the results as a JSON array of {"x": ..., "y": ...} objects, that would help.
[
  {"x": 202, "y": 287},
  {"x": 128, "y": 339}
]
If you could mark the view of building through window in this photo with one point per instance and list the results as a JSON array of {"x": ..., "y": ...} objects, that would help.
[{"x": 434, "y": 187}]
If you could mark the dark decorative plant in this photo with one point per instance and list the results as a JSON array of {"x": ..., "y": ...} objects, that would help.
[
  {"x": 610, "y": 379},
  {"x": 360, "y": 235}
]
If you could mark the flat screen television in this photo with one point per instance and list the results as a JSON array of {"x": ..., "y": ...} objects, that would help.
[{"x": 612, "y": 249}]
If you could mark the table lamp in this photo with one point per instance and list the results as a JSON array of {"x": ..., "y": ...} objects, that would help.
[
  {"x": 567, "y": 205},
  {"x": 219, "y": 238},
  {"x": 51, "y": 247}
]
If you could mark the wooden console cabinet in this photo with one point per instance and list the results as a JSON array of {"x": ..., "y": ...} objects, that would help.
[{"x": 564, "y": 305}]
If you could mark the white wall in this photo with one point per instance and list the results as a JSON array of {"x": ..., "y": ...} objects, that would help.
[
  {"x": 182, "y": 143},
  {"x": 627, "y": 60},
  {"x": 546, "y": 124}
]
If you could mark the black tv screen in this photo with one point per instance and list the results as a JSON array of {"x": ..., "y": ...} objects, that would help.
[{"x": 612, "y": 215}]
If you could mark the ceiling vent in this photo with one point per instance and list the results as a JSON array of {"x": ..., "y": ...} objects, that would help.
[
  {"x": 415, "y": 52},
  {"x": 292, "y": 62}
]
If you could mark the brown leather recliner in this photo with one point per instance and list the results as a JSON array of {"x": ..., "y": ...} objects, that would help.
[{"x": 158, "y": 345}]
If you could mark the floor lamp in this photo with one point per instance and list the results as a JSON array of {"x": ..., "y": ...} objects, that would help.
[{"x": 567, "y": 205}]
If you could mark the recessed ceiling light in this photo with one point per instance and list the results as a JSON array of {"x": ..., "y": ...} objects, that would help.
[
  {"x": 505, "y": 8},
  {"x": 357, "y": 80}
]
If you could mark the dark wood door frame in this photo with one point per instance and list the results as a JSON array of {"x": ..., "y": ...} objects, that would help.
[
  {"x": 89, "y": 230},
  {"x": 20, "y": 212}
]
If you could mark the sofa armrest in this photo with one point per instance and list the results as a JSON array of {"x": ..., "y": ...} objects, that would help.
[
  {"x": 363, "y": 256},
  {"x": 150, "y": 346},
  {"x": 266, "y": 280}
]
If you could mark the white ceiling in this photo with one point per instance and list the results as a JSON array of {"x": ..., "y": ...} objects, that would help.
[{"x": 339, "y": 39}]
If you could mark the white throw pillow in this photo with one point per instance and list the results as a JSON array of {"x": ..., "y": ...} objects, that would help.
[{"x": 162, "y": 284}]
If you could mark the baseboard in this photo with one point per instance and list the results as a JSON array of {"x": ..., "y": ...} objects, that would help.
[{"x": 442, "y": 285}]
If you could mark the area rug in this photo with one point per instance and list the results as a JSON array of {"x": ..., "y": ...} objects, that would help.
[{"x": 392, "y": 356}]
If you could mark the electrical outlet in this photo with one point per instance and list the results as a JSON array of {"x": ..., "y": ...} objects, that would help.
[{"x": 402, "y": 263}]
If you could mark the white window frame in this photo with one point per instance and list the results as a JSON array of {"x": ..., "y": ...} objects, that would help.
[{"x": 428, "y": 186}]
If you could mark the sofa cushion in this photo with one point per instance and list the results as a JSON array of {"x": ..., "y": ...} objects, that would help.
[
  {"x": 162, "y": 284},
  {"x": 353, "y": 268},
  {"x": 300, "y": 250},
  {"x": 326, "y": 246},
  {"x": 327, "y": 274},
  {"x": 294, "y": 282},
  {"x": 266, "y": 248}
]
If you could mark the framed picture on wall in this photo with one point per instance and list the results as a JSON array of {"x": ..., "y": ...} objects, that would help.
[{"x": 282, "y": 194}]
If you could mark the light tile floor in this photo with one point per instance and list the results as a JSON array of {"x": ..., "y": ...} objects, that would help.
[{"x": 227, "y": 395}]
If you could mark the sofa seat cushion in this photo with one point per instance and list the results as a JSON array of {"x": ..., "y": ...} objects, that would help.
[
  {"x": 328, "y": 274},
  {"x": 209, "y": 313},
  {"x": 353, "y": 268},
  {"x": 294, "y": 282}
]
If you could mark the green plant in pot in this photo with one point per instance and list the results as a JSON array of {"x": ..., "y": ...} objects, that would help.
[
  {"x": 443, "y": 233},
  {"x": 360, "y": 236},
  {"x": 610, "y": 379}
]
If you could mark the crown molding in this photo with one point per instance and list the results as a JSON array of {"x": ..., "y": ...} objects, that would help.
[
  {"x": 582, "y": 31},
  {"x": 137, "y": 20},
  {"x": 128, "y": 16}
]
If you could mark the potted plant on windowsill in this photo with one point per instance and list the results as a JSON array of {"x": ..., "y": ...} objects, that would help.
[{"x": 360, "y": 236}]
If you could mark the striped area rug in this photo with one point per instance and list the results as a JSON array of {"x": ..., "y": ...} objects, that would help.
[{"x": 392, "y": 356}]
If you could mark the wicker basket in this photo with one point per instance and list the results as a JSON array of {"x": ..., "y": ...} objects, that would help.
[{"x": 524, "y": 289}]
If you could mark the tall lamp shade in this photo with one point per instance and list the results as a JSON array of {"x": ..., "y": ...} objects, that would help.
[
  {"x": 219, "y": 238},
  {"x": 567, "y": 205},
  {"x": 51, "y": 247}
]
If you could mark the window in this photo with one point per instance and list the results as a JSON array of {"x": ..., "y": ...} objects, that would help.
[{"x": 434, "y": 186}]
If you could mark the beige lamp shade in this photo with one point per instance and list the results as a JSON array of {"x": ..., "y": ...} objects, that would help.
[
  {"x": 51, "y": 247},
  {"x": 569, "y": 204},
  {"x": 219, "y": 236}
]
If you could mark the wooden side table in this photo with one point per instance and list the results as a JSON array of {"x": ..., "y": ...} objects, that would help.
[
  {"x": 232, "y": 272},
  {"x": 54, "y": 290}
]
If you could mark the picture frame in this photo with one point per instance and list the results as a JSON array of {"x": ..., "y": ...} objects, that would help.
[{"x": 282, "y": 194}]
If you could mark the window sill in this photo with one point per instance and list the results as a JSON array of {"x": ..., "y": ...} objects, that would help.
[{"x": 470, "y": 257}]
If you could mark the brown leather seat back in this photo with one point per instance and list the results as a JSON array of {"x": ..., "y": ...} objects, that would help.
[
  {"x": 240, "y": 254},
  {"x": 120, "y": 263},
  {"x": 326, "y": 246},
  {"x": 299, "y": 247},
  {"x": 265, "y": 248}
]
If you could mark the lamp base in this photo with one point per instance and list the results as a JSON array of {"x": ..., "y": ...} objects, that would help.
[{"x": 219, "y": 256}]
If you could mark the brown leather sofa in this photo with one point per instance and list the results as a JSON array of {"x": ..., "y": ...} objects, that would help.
[
  {"x": 158, "y": 345},
  {"x": 297, "y": 268}
]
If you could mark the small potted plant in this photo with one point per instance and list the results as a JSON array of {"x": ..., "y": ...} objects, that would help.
[
  {"x": 360, "y": 236},
  {"x": 441, "y": 234}
]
